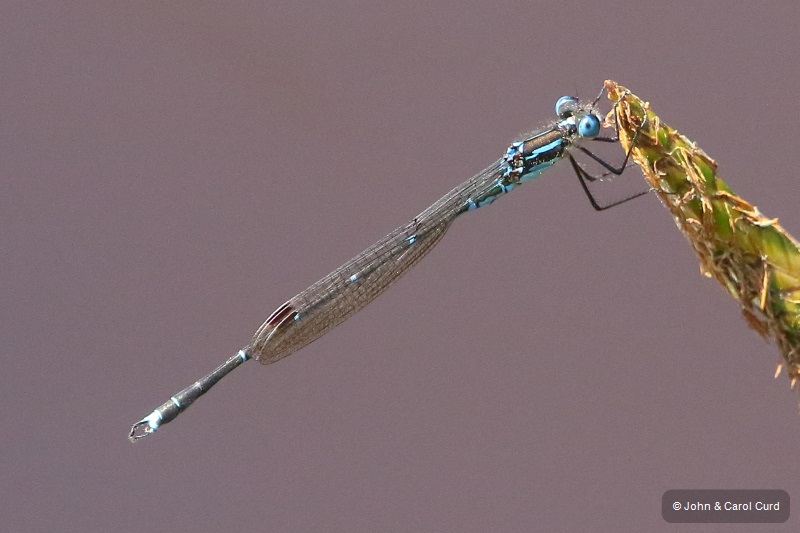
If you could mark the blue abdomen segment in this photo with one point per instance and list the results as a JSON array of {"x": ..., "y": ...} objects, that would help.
[{"x": 498, "y": 188}]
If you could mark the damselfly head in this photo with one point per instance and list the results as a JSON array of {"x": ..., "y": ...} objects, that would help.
[
  {"x": 582, "y": 116},
  {"x": 589, "y": 126},
  {"x": 579, "y": 116},
  {"x": 566, "y": 106}
]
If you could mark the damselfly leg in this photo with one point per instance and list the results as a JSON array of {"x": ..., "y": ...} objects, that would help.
[{"x": 584, "y": 176}]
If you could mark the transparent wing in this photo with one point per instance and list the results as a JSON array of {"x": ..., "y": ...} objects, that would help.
[{"x": 349, "y": 288}]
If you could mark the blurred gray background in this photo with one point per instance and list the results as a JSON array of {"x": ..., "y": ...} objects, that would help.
[{"x": 173, "y": 171}]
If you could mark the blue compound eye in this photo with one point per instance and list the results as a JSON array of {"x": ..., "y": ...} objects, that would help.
[
  {"x": 589, "y": 126},
  {"x": 566, "y": 106}
]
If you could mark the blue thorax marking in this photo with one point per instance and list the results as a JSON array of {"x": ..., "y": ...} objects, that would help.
[
  {"x": 547, "y": 155},
  {"x": 534, "y": 171},
  {"x": 523, "y": 161}
]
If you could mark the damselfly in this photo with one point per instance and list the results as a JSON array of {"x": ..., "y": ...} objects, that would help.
[{"x": 347, "y": 289}]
